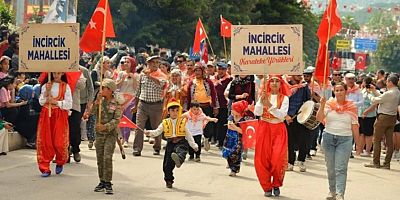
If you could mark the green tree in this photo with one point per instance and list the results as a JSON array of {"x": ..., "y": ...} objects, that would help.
[
  {"x": 382, "y": 23},
  {"x": 171, "y": 23},
  {"x": 6, "y": 16},
  {"x": 349, "y": 22},
  {"x": 388, "y": 54}
]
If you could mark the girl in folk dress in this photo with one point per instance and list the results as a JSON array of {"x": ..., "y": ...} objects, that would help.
[
  {"x": 53, "y": 131},
  {"x": 270, "y": 158},
  {"x": 233, "y": 148}
]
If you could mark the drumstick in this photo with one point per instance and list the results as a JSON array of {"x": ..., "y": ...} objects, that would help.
[{"x": 294, "y": 116}]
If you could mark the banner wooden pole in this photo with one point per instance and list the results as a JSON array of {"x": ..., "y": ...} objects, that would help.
[
  {"x": 103, "y": 41},
  {"x": 49, "y": 92},
  {"x": 226, "y": 55}
]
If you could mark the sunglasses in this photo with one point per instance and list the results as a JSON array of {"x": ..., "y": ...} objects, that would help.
[
  {"x": 122, "y": 62},
  {"x": 336, "y": 74}
]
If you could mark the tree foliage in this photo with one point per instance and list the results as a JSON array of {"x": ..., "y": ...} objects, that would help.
[
  {"x": 6, "y": 16},
  {"x": 171, "y": 23},
  {"x": 388, "y": 53}
]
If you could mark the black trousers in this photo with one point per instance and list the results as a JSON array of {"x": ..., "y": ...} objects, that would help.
[
  {"x": 297, "y": 137},
  {"x": 197, "y": 139},
  {"x": 75, "y": 131},
  {"x": 180, "y": 148},
  {"x": 313, "y": 138},
  {"x": 221, "y": 127},
  {"x": 9, "y": 114},
  {"x": 209, "y": 129}
]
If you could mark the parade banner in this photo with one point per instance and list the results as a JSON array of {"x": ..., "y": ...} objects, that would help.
[
  {"x": 49, "y": 48},
  {"x": 267, "y": 49}
]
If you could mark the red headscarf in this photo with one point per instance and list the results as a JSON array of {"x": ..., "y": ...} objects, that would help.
[
  {"x": 240, "y": 107},
  {"x": 133, "y": 63},
  {"x": 284, "y": 88}
]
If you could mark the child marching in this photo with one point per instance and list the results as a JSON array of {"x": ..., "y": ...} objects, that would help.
[
  {"x": 196, "y": 122},
  {"x": 233, "y": 147},
  {"x": 270, "y": 158},
  {"x": 107, "y": 132},
  {"x": 53, "y": 130},
  {"x": 178, "y": 140}
]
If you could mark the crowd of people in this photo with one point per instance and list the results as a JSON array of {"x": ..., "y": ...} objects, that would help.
[{"x": 194, "y": 105}]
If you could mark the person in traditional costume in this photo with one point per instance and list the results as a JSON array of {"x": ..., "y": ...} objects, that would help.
[
  {"x": 270, "y": 158},
  {"x": 53, "y": 129},
  {"x": 196, "y": 122},
  {"x": 232, "y": 149},
  {"x": 178, "y": 141}
]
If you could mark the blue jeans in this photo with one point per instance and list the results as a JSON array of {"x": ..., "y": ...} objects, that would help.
[{"x": 337, "y": 154}]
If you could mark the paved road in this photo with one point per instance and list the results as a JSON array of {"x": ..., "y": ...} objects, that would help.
[{"x": 142, "y": 178}]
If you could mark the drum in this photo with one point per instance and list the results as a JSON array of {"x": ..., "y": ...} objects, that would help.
[{"x": 308, "y": 115}]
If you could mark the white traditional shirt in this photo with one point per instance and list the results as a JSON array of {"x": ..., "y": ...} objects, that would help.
[{"x": 65, "y": 104}]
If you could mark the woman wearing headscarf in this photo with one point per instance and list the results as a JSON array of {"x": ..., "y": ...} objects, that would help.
[
  {"x": 95, "y": 75},
  {"x": 174, "y": 91},
  {"x": 270, "y": 159},
  {"x": 127, "y": 83}
]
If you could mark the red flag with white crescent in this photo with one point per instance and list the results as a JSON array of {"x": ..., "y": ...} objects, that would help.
[
  {"x": 92, "y": 37},
  {"x": 126, "y": 123},
  {"x": 249, "y": 129}
]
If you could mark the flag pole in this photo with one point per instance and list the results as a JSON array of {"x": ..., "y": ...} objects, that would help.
[
  {"x": 103, "y": 41},
  {"x": 209, "y": 43},
  {"x": 226, "y": 56},
  {"x": 327, "y": 41},
  {"x": 49, "y": 92}
]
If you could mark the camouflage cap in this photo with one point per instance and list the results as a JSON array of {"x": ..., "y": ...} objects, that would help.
[{"x": 109, "y": 83}]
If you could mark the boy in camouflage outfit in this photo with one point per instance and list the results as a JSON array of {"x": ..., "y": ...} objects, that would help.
[{"x": 107, "y": 132}]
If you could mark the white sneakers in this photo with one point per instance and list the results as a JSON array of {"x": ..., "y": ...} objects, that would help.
[
  {"x": 289, "y": 167},
  {"x": 396, "y": 155},
  {"x": 302, "y": 167},
  {"x": 365, "y": 154},
  {"x": 313, "y": 152},
  {"x": 331, "y": 196},
  {"x": 206, "y": 144}
]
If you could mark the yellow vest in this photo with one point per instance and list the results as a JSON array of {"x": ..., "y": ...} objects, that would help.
[{"x": 179, "y": 129}]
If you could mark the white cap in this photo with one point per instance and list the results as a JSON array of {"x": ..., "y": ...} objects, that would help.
[{"x": 350, "y": 75}]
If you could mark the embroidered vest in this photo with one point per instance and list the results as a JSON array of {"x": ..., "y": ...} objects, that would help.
[
  {"x": 61, "y": 93},
  {"x": 267, "y": 114},
  {"x": 179, "y": 129}
]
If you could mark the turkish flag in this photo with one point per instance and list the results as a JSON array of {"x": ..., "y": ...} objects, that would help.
[
  {"x": 330, "y": 20},
  {"x": 199, "y": 36},
  {"x": 226, "y": 27},
  {"x": 249, "y": 129},
  {"x": 92, "y": 37},
  {"x": 360, "y": 61},
  {"x": 126, "y": 123},
  {"x": 335, "y": 23}
]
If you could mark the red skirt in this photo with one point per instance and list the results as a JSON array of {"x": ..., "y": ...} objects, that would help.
[
  {"x": 52, "y": 138},
  {"x": 270, "y": 159}
]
